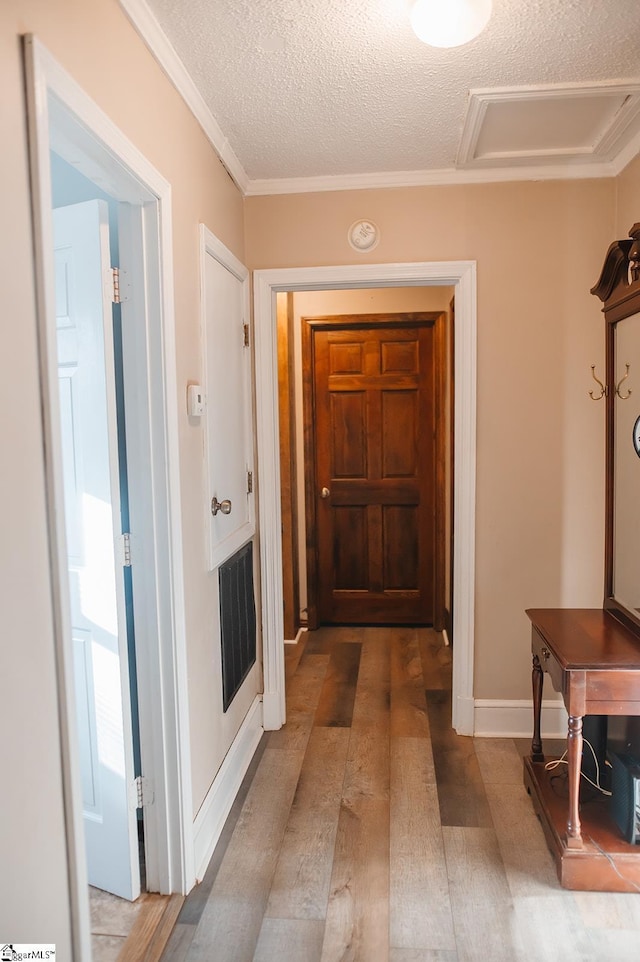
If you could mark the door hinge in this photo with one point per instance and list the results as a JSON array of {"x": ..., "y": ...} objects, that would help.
[
  {"x": 245, "y": 333},
  {"x": 249, "y": 482},
  {"x": 115, "y": 273},
  {"x": 142, "y": 794},
  {"x": 126, "y": 550}
]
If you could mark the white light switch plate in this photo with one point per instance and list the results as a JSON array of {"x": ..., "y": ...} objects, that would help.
[{"x": 195, "y": 401}]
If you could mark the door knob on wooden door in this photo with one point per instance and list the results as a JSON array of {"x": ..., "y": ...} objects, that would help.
[
  {"x": 224, "y": 507},
  {"x": 325, "y": 493}
]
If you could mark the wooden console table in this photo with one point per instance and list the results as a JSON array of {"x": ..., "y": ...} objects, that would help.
[{"x": 594, "y": 662}]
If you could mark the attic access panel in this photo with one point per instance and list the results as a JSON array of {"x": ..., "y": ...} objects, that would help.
[{"x": 554, "y": 124}]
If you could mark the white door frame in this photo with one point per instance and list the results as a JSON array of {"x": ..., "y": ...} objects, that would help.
[
  {"x": 63, "y": 116},
  {"x": 267, "y": 283}
]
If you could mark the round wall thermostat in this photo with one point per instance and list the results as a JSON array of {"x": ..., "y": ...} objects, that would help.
[{"x": 363, "y": 235}]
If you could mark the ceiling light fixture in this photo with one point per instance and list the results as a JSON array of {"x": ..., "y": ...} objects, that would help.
[{"x": 449, "y": 23}]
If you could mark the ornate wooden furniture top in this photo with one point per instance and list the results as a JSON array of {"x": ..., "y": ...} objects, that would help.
[{"x": 593, "y": 655}]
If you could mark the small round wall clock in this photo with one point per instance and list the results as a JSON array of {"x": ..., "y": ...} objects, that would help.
[
  {"x": 636, "y": 436},
  {"x": 363, "y": 235}
]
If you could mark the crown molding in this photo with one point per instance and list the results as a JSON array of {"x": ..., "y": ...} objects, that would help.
[
  {"x": 429, "y": 178},
  {"x": 149, "y": 29}
]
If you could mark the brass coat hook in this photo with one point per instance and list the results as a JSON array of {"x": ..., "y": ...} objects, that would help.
[
  {"x": 623, "y": 397},
  {"x": 603, "y": 390}
]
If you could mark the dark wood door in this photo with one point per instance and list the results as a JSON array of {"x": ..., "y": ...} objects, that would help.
[{"x": 373, "y": 407}]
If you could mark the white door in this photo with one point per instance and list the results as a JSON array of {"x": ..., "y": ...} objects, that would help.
[
  {"x": 229, "y": 454},
  {"x": 229, "y": 435},
  {"x": 94, "y": 544}
]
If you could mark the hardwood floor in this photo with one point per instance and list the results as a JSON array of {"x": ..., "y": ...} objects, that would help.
[{"x": 368, "y": 831}]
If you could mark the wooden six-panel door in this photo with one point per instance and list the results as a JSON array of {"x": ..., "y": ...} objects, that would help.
[{"x": 372, "y": 427}]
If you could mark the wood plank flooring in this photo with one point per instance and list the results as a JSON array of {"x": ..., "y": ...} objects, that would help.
[{"x": 368, "y": 831}]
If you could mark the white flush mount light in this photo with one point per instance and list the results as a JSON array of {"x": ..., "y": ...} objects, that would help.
[{"x": 449, "y": 23}]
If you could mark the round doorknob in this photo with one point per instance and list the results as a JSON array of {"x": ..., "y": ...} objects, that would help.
[
  {"x": 325, "y": 493},
  {"x": 224, "y": 507}
]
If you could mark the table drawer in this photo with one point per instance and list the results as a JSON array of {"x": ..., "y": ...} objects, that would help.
[
  {"x": 548, "y": 662},
  {"x": 620, "y": 690}
]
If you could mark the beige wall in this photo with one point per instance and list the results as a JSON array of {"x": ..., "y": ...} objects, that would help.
[
  {"x": 95, "y": 43},
  {"x": 316, "y": 304},
  {"x": 627, "y": 199},
  {"x": 540, "y": 479}
]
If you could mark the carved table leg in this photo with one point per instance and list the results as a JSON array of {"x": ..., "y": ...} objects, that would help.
[
  {"x": 574, "y": 760},
  {"x": 537, "y": 679}
]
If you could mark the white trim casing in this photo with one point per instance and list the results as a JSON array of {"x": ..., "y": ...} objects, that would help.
[
  {"x": 445, "y": 177},
  {"x": 97, "y": 144},
  {"x": 213, "y": 813},
  {"x": 496, "y": 718},
  {"x": 464, "y": 535},
  {"x": 266, "y": 284},
  {"x": 38, "y": 120},
  {"x": 269, "y": 510}
]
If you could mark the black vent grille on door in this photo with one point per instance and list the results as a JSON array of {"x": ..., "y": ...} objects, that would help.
[{"x": 237, "y": 620}]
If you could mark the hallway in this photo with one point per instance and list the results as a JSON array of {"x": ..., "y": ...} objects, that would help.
[{"x": 368, "y": 831}]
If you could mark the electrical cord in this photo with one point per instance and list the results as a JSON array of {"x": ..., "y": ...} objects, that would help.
[
  {"x": 615, "y": 868},
  {"x": 550, "y": 766}
]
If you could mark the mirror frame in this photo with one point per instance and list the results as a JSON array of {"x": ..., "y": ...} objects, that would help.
[{"x": 619, "y": 290}]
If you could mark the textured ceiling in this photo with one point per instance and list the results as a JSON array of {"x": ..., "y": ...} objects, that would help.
[{"x": 305, "y": 88}]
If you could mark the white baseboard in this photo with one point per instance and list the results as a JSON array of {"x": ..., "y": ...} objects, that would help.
[
  {"x": 294, "y": 641},
  {"x": 210, "y": 820},
  {"x": 514, "y": 719}
]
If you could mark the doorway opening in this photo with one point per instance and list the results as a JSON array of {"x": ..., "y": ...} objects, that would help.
[
  {"x": 64, "y": 122},
  {"x": 460, "y": 275},
  {"x": 366, "y": 461}
]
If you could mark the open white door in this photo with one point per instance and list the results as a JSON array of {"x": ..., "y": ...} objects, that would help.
[{"x": 94, "y": 544}]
